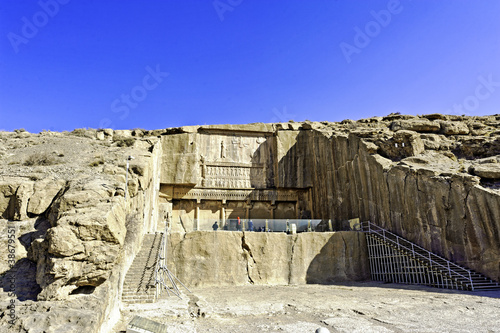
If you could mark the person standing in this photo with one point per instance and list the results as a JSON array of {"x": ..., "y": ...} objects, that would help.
[{"x": 215, "y": 226}]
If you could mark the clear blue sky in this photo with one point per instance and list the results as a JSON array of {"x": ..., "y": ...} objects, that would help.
[{"x": 156, "y": 64}]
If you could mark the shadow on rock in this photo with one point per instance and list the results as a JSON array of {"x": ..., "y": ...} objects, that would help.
[{"x": 21, "y": 280}]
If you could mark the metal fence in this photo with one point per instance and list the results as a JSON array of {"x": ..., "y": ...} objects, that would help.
[{"x": 258, "y": 225}]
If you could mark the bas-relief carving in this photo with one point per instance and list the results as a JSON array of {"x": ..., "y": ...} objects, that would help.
[
  {"x": 232, "y": 176},
  {"x": 237, "y": 162},
  {"x": 235, "y": 168},
  {"x": 222, "y": 150},
  {"x": 238, "y": 195}
]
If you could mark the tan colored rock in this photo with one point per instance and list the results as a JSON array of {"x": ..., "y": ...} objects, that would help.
[
  {"x": 477, "y": 128},
  {"x": 478, "y": 147},
  {"x": 417, "y": 125},
  {"x": 218, "y": 258},
  {"x": 409, "y": 142},
  {"x": 133, "y": 187},
  {"x": 23, "y": 194},
  {"x": 63, "y": 242},
  {"x": 100, "y": 135},
  {"x": 329, "y": 257},
  {"x": 108, "y": 131},
  {"x": 181, "y": 152},
  {"x": 489, "y": 170},
  {"x": 111, "y": 169},
  {"x": 454, "y": 128},
  {"x": 83, "y": 193},
  {"x": 268, "y": 257},
  {"x": 435, "y": 142},
  {"x": 7, "y": 193},
  {"x": 342, "y": 171},
  {"x": 100, "y": 225},
  {"x": 208, "y": 258},
  {"x": 123, "y": 133},
  {"x": 435, "y": 116},
  {"x": 44, "y": 192},
  {"x": 254, "y": 127}
]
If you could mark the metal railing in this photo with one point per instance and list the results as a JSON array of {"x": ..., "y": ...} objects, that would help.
[
  {"x": 268, "y": 225},
  {"x": 453, "y": 270},
  {"x": 159, "y": 279},
  {"x": 162, "y": 273}
]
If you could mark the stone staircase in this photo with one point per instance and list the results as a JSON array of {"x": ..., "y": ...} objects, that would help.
[
  {"x": 139, "y": 285},
  {"x": 395, "y": 259}
]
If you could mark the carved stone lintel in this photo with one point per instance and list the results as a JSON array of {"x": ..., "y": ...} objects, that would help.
[{"x": 236, "y": 194}]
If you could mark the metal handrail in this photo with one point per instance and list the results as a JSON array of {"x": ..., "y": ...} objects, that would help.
[
  {"x": 162, "y": 273},
  {"x": 382, "y": 232},
  {"x": 158, "y": 278},
  {"x": 156, "y": 270}
]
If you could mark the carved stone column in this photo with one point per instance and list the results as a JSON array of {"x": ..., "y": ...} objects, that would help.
[
  {"x": 197, "y": 216},
  {"x": 310, "y": 199},
  {"x": 273, "y": 208},
  {"x": 248, "y": 207},
  {"x": 223, "y": 213}
]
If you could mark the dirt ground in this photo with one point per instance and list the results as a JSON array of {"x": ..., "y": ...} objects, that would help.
[{"x": 359, "y": 307}]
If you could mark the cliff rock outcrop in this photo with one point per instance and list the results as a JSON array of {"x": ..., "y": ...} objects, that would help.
[
  {"x": 80, "y": 216},
  {"x": 431, "y": 179},
  {"x": 205, "y": 258},
  {"x": 64, "y": 194}
]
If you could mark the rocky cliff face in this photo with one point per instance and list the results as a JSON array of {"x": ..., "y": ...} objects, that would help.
[
  {"x": 432, "y": 179},
  {"x": 206, "y": 258},
  {"x": 65, "y": 195}
]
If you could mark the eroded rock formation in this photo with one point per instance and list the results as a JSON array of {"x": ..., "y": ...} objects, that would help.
[
  {"x": 419, "y": 181},
  {"x": 205, "y": 258},
  {"x": 75, "y": 226},
  {"x": 434, "y": 179}
]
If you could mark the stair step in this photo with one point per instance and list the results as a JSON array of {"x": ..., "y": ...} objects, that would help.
[
  {"x": 448, "y": 274},
  {"x": 139, "y": 284}
]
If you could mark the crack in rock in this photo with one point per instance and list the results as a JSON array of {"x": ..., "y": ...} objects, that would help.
[{"x": 248, "y": 252}]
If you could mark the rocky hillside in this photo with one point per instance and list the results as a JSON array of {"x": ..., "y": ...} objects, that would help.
[
  {"x": 434, "y": 179},
  {"x": 64, "y": 194}
]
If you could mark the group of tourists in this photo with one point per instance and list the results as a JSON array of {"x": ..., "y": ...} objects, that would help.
[{"x": 239, "y": 227}]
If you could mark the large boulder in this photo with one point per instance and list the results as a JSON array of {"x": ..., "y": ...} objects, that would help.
[
  {"x": 417, "y": 125},
  {"x": 489, "y": 170},
  {"x": 454, "y": 128},
  {"x": 44, "y": 192}
]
